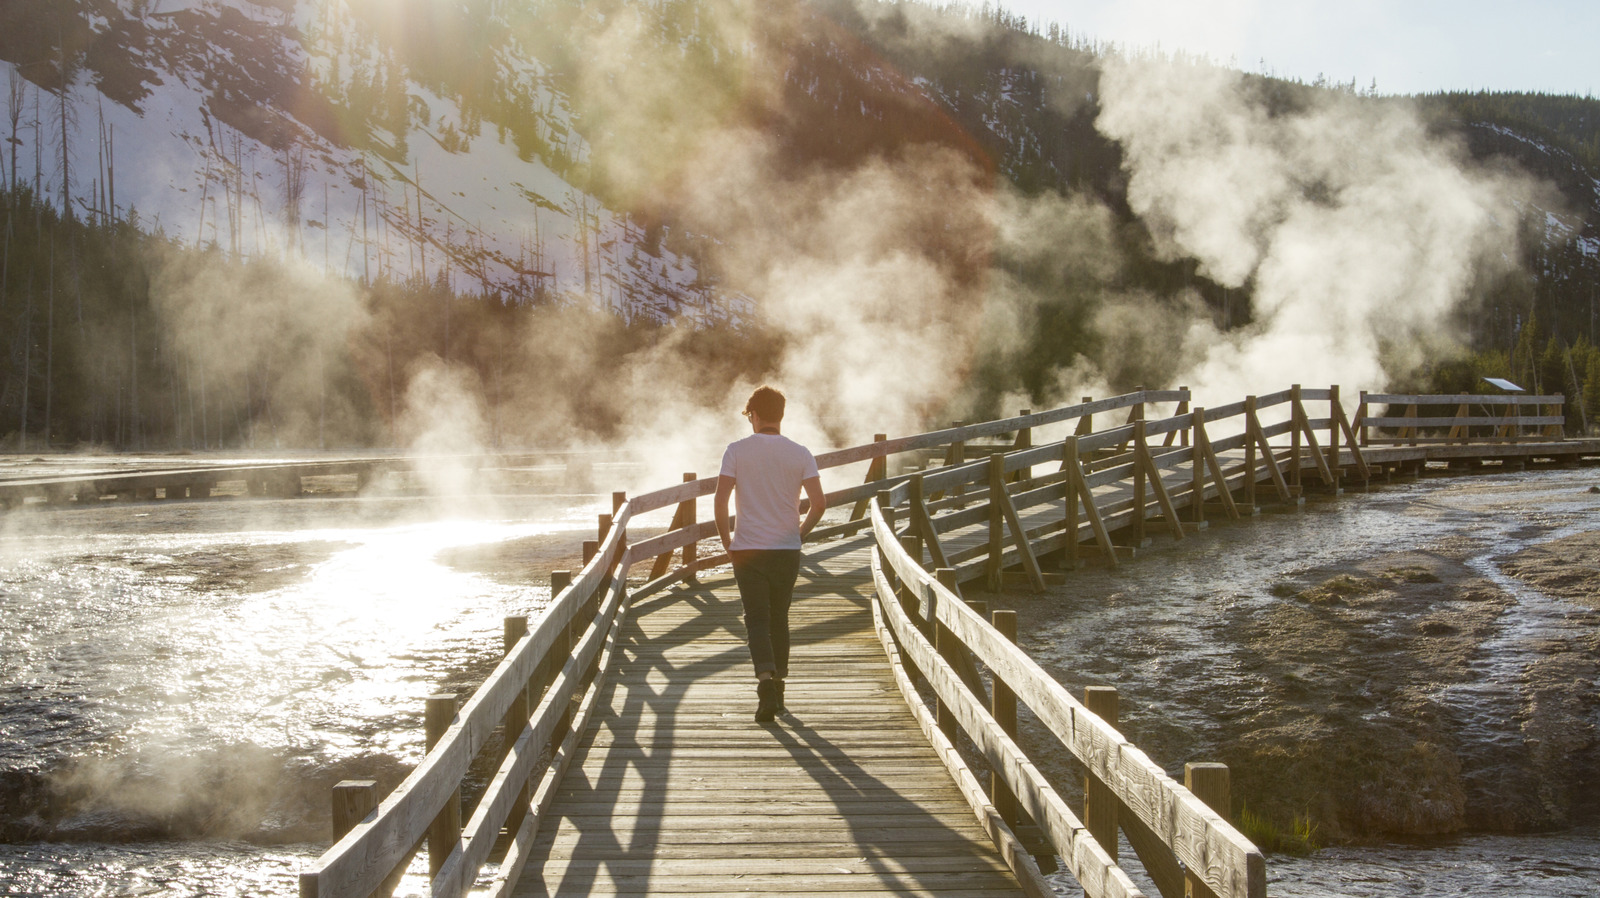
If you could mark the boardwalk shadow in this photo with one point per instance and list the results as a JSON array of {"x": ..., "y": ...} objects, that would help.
[{"x": 678, "y": 790}]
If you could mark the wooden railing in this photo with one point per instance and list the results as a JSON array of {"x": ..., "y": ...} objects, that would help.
[
  {"x": 932, "y": 635},
  {"x": 688, "y": 529},
  {"x": 1418, "y": 419},
  {"x": 542, "y": 694},
  {"x": 1269, "y": 442}
]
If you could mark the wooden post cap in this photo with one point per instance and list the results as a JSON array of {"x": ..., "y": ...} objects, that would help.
[
  {"x": 353, "y": 800},
  {"x": 516, "y": 627},
  {"x": 1005, "y": 620},
  {"x": 1102, "y": 702},
  {"x": 441, "y": 713},
  {"x": 1209, "y": 781}
]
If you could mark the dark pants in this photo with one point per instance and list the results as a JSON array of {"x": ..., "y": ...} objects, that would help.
[{"x": 766, "y": 586}]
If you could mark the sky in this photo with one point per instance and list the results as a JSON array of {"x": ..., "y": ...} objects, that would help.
[{"x": 1407, "y": 46}]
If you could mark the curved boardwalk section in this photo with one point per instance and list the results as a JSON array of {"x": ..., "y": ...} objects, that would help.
[{"x": 676, "y": 790}]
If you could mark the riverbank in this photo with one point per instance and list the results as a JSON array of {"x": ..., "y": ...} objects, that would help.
[{"x": 1416, "y": 662}]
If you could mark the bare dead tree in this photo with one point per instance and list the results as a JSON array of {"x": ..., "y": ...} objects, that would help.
[
  {"x": 67, "y": 120},
  {"x": 16, "y": 99},
  {"x": 294, "y": 189}
]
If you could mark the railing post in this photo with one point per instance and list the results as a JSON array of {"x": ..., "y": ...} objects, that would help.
[
  {"x": 1197, "y": 487},
  {"x": 945, "y": 644},
  {"x": 1183, "y": 406},
  {"x": 1296, "y": 422},
  {"x": 618, "y": 499},
  {"x": 1024, "y": 441},
  {"x": 591, "y": 548},
  {"x": 1138, "y": 480},
  {"x": 957, "y": 454},
  {"x": 560, "y": 648},
  {"x": 1070, "y": 464},
  {"x": 1099, "y": 801},
  {"x": 997, "y": 485},
  {"x": 1086, "y": 421},
  {"x": 353, "y": 800},
  {"x": 1251, "y": 429},
  {"x": 1361, "y": 421},
  {"x": 604, "y": 528},
  {"x": 1209, "y": 783},
  {"x": 886, "y": 502},
  {"x": 922, "y": 521},
  {"x": 446, "y": 827},
  {"x": 1333, "y": 435},
  {"x": 877, "y": 469},
  {"x": 912, "y": 543},
  {"x": 516, "y": 720},
  {"x": 1003, "y": 705},
  {"x": 690, "y": 518}
]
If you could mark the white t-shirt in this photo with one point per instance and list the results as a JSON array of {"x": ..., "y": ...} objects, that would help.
[{"x": 768, "y": 469}]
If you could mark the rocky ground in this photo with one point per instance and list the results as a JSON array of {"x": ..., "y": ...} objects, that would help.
[{"x": 1441, "y": 687}]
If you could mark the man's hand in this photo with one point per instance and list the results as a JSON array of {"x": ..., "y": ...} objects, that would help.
[{"x": 819, "y": 504}]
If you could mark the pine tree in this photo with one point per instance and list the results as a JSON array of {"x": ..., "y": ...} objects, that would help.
[{"x": 1552, "y": 374}]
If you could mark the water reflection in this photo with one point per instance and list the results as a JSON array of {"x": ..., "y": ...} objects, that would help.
[{"x": 189, "y": 675}]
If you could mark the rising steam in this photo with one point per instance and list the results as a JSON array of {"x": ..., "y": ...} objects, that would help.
[
  {"x": 899, "y": 280},
  {"x": 1358, "y": 232}
]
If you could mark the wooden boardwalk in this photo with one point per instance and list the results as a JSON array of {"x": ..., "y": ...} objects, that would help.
[
  {"x": 677, "y": 790},
  {"x": 636, "y": 767}
]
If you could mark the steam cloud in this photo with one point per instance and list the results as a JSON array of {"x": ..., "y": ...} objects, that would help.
[
  {"x": 1357, "y": 230},
  {"x": 891, "y": 280}
]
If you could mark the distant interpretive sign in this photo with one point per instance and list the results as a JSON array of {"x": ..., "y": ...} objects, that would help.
[{"x": 1503, "y": 384}]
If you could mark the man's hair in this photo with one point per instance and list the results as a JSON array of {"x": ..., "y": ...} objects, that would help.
[{"x": 766, "y": 402}]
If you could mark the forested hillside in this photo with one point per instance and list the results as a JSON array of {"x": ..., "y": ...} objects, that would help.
[{"x": 263, "y": 222}]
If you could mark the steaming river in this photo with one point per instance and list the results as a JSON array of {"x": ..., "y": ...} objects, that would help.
[{"x": 196, "y": 675}]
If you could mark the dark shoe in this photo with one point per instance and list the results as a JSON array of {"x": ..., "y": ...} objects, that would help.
[
  {"x": 781, "y": 708},
  {"x": 766, "y": 700}
]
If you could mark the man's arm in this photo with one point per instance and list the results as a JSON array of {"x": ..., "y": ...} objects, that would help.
[
  {"x": 724, "y": 490},
  {"x": 819, "y": 504}
]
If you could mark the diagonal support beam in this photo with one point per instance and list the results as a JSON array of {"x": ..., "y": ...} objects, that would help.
[
  {"x": 1001, "y": 499},
  {"x": 1141, "y": 450}
]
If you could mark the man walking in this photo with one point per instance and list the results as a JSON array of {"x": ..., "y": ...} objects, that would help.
[{"x": 766, "y": 472}]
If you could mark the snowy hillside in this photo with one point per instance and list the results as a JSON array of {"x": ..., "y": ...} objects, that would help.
[{"x": 296, "y": 125}]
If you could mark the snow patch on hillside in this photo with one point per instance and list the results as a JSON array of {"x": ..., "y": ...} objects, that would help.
[{"x": 479, "y": 213}]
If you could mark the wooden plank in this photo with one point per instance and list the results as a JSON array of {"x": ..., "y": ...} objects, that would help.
[
  {"x": 1458, "y": 398},
  {"x": 1459, "y": 421}
]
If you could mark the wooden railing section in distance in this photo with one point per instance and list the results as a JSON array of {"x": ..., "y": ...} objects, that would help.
[{"x": 1460, "y": 418}]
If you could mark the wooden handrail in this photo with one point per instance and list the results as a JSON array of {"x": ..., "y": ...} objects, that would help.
[
  {"x": 878, "y": 449},
  {"x": 1458, "y": 398},
  {"x": 1197, "y": 835},
  {"x": 365, "y": 857},
  {"x": 1414, "y": 426}
]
